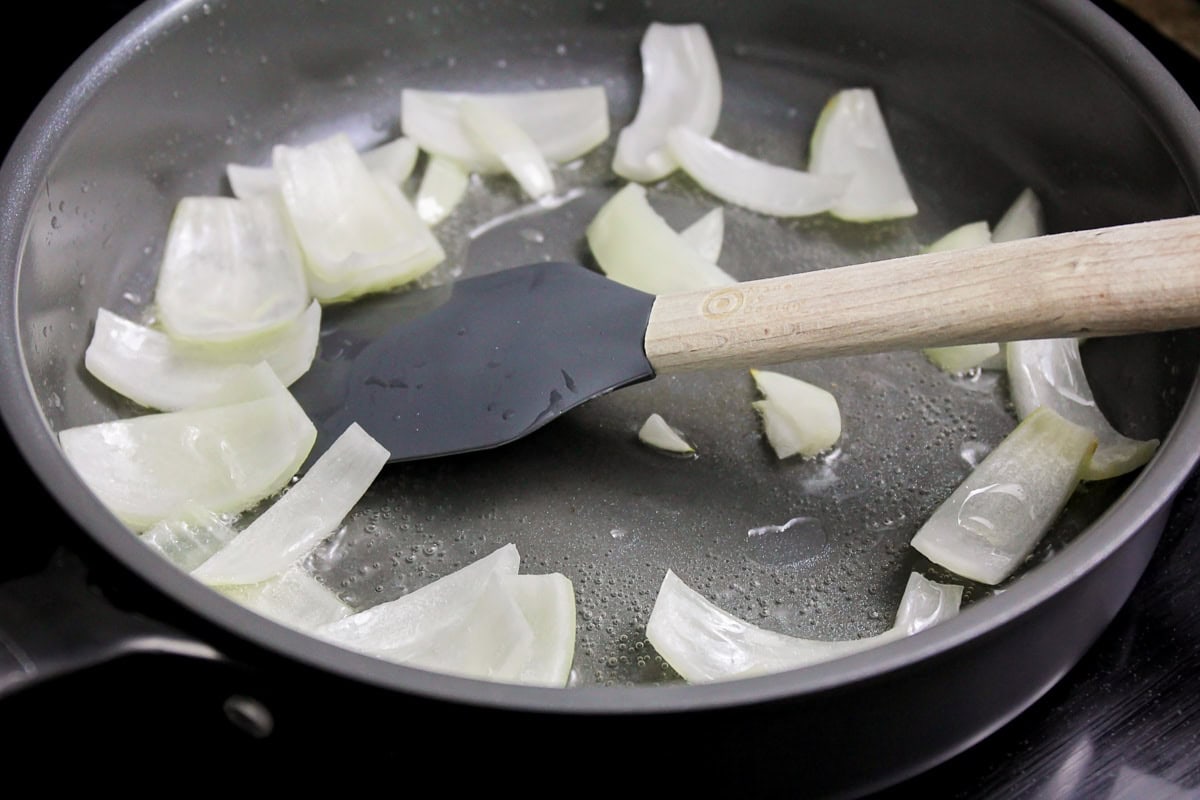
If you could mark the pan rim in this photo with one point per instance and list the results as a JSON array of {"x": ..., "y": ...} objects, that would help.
[{"x": 1147, "y": 495}]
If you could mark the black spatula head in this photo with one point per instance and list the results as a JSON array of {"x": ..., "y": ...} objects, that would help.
[{"x": 477, "y": 363}]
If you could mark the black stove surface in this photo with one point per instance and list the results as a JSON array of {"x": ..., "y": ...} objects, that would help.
[{"x": 1124, "y": 723}]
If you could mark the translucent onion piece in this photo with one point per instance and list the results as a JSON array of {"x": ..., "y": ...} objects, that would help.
[
  {"x": 225, "y": 458},
  {"x": 1049, "y": 372},
  {"x": 496, "y": 132},
  {"x": 704, "y": 643},
  {"x": 748, "y": 182},
  {"x": 187, "y": 542},
  {"x": 681, "y": 87},
  {"x": 798, "y": 417},
  {"x": 393, "y": 161},
  {"x": 564, "y": 123},
  {"x": 1022, "y": 220},
  {"x": 401, "y": 625},
  {"x": 305, "y": 515},
  {"x": 293, "y": 598},
  {"x": 155, "y": 371},
  {"x": 358, "y": 233},
  {"x": 548, "y": 603},
  {"x": 231, "y": 270},
  {"x": 995, "y": 517},
  {"x": 443, "y": 185},
  {"x": 706, "y": 235},
  {"x": 851, "y": 138},
  {"x": 957, "y": 359},
  {"x": 656, "y": 433},
  {"x": 636, "y": 246}
]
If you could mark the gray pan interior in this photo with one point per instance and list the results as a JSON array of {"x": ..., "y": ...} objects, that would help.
[{"x": 982, "y": 99}]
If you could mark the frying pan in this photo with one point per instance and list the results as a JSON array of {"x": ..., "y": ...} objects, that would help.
[{"x": 982, "y": 98}]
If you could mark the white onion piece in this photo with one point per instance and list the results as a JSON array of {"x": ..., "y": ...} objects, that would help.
[
  {"x": 443, "y": 185},
  {"x": 155, "y": 371},
  {"x": 358, "y": 233},
  {"x": 293, "y": 598},
  {"x": 656, "y": 433},
  {"x": 548, "y": 603},
  {"x": 305, "y": 515},
  {"x": 402, "y": 624},
  {"x": 681, "y": 87},
  {"x": 958, "y": 359},
  {"x": 231, "y": 270},
  {"x": 798, "y": 417},
  {"x": 1022, "y": 220},
  {"x": 964, "y": 237},
  {"x": 705, "y": 643},
  {"x": 225, "y": 458},
  {"x": 993, "y": 519},
  {"x": 748, "y": 182},
  {"x": 851, "y": 138},
  {"x": 496, "y": 132},
  {"x": 564, "y": 123},
  {"x": 1049, "y": 372},
  {"x": 636, "y": 246},
  {"x": 393, "y": 161},
  {"x": 190, "y": 540},
  {"x": 706, "y": 235}
]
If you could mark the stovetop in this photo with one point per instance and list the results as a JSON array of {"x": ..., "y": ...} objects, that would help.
[{"x": 1124, "y": 723}]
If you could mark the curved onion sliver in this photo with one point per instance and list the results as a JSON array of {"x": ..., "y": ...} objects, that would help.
[
  {"x": 294, "y": 598},
  {"x": 706, "y": 235},
  {"x": 990, "y": 523},
  {"x": 748, "y": 182},
  {"x": 656, "y": 433},
  {"x": 681, "y": 86},
  {"x": 1049, "y": 372},
  {"x": 496, "y": 132},
  {"x": 851, "y": 138},
  {"x": 634, "y": 245},
  {"x": 704, "y": 643},
  {"x": 798, "y": 417},
  {"x": 564, "y": 123},
  {"x": 442, "y": 188}
]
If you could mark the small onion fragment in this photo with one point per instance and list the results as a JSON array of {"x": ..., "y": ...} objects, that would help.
[
  {"x": 231, "y": 270},
  {"x": 305, "y": 515},
  {"x": 191, "y": 539},
  {"x": 392, "y": 161},
  {"x": 358, "y": 233},
  {"x": 957, "y": 359},
  {"x": 706, "y": 235},
  {"x": 636, "y": 246},
  {"x": 293, "y": 598},
  {"x": 656, "y": 433},
  {"x": 443, "y": 185},
  {"x": 851, "y": 138},
  {"x": 1022, "y": 219},
  {"x": 798, "y": 417},
  {"x": 748, "y": 182},
  {"x": 564, "y": 123},
  {"x": 548, "y": 603},
  {"x": 984, "y": 530},
  {"x": 1049, "y": 372},
  {"x": 496, "y": 132},
  {"x": 681, "y": 86},
  {"x": 705, "y": 643},
  {"x": 155, "y": 371},
  {"x": 225, "y": 458}
]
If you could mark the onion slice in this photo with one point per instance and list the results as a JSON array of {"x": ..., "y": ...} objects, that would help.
[
  {"x": 957, "y": 359},
  {"x": 443, "y": 185},
  {"x": 293, "y": 598},
  {"x": 984, "y": 530},
  {"x": 231, "y": 270},
  {"x": 705, "y": 643},
  {"x": 548, "y": 604},
  {"x": 155, "y": 371},
  {"x": 851, "y": 138},
  {"x": 656, "y": 433},
  {"x": 358, "y": 233},
  {"x": 706, "y": 235},
  {"x": 305, "y": 515},
  {"x": 1022, "y": 220},
  {"x": 392, "y": 161},
  {"x": 564, "y": 124},
  {"x": 748, "y": 182},
  {"x": 798, "y": 417},
  {"x": 496, "y": 132},
  {"x": 636, "y": 246},
  {"x": 191, "y": 539},
  {"x": 1049, "y": 372},
  {"x": 681, "y": 87},
  {"x": 224, "y": 458}
]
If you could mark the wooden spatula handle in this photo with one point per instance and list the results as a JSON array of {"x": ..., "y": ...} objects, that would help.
[{"x": 1121, "y": 280}]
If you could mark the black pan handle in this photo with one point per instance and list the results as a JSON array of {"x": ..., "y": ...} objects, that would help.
[{"x": 56, "y": 620}]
